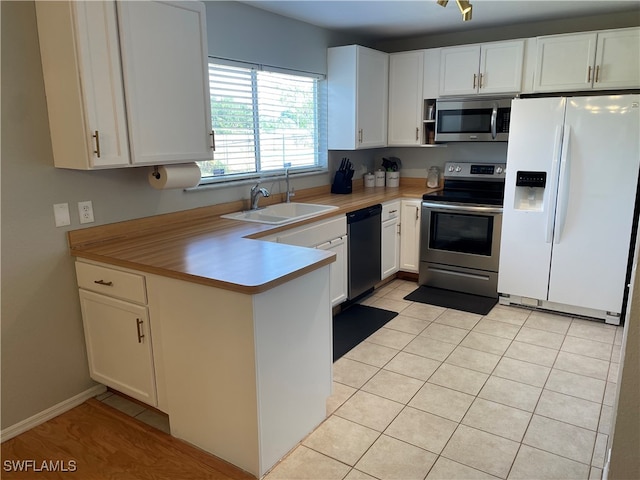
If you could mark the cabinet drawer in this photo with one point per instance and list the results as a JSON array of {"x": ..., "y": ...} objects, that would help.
[
  {"x": 111, "y": 282},
  {"x": 390, "y": 211}
]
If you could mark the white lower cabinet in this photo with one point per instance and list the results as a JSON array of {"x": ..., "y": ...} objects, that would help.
[
  {"x": 338, "y": 276},
  {"x": 410, "y": 235},
  {"x": 117, "y": 330},
  {"x": 390, "y": 239},
  {"x": 328, "y": 234},
  {"x": 119, "y": 349}
]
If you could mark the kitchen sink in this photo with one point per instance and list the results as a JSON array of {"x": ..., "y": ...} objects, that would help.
[{"x": 281, "y": 213}]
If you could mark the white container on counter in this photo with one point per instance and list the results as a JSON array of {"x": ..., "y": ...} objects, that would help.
[
  {"x": 380, "y": 174},
  {"x": 369, "y": 180},
  {"x": 393, "y": 179}
]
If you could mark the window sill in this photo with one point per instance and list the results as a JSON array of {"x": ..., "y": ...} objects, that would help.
[{"x": 210, "y": 184}]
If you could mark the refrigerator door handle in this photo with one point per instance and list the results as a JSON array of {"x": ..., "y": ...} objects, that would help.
[
  {"x": 563, "y": 187},
  {"x": 553, "y": 184}
]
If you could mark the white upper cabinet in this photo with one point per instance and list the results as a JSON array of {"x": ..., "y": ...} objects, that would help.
[
  {"x": 126, "y": 83},
  {"x": 164, "y": 61},
  {"x": 358, "y": 79},
  {"x": 608, "y": 59},
  {"x": 80, "y": 54},
  {"x": 405, "y": 98},
  {"x": 481, "y": 69}
]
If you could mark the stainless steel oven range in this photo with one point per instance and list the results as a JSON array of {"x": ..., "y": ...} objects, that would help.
[{"x": 460, "y": 229}]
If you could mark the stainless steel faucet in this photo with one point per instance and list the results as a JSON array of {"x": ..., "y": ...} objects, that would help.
[
  {"x": 290, "y": 192},
  {"x": 256, "y": 191}
]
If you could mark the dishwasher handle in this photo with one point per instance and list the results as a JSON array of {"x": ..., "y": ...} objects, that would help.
[{"x": 364, "y": 213}]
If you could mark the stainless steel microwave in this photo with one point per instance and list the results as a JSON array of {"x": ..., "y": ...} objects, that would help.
[{"x": 478, "y": 120}]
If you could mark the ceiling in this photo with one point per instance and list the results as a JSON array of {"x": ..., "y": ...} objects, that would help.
[{"x": 401, "y": 18}]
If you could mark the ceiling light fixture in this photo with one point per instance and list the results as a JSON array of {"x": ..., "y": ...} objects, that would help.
[{"x": 464, "y": 6}]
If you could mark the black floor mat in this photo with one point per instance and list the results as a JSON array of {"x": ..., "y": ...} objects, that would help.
[
  {"x": 354, "y": 325},
  {"x": 450, "y": 299}
]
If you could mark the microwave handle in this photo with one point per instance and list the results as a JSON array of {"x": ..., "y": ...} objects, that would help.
[{"x": 494, "y": 121}]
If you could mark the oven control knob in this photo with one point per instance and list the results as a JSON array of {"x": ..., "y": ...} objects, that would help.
[
  {"x": 451, "y": 168},
  {"x": 458, "y": 168},
  {"x": 499, "y": 170}
]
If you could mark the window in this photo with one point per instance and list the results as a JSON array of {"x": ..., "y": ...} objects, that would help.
[{"x": 264, "y": 121}]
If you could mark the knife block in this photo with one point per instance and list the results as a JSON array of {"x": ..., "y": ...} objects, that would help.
[{"x": 341, "y": 183}]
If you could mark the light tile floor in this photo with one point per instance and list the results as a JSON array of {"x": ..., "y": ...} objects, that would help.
[{"x": 444, "y": 394}]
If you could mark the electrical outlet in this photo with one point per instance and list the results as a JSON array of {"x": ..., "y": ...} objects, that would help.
[
  {"x": 85, "y": 210},
  {"x": 61, "y": 214}
]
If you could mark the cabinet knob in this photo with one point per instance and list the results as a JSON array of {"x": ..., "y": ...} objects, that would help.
[{"x": 102, "y": 282}]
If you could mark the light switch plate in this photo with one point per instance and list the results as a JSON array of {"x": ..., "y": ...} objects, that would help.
[{"x": 61, "y": 214}]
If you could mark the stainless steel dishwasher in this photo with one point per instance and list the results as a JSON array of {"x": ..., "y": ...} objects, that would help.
[{"x": 363, "y": 234}]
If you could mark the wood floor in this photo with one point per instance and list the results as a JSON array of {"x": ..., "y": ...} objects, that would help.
[{"x": 99, "y": 442}]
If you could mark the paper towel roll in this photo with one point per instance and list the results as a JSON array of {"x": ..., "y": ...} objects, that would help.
[{"x": 183, "y": 175}]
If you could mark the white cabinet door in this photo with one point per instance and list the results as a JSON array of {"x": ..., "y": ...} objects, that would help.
[
  {"x": 459, "y": 70},
  {"x": 357, "y": 81},
  {"x": 80, "y": 54},
  {"x": 373, "y": 95},
  {"x": 164, "y": 58},
  {"x": 338, "y": 276},
  {"x": 487, "y": 68},
  {"x": 601, "y": 60},
  {"x": 617, "y": 59},
  {"x": 565, "y": 62},
  {"x": 501, "y": 67},
  {"x": 390, "y": 248},
  {"x": 410, "y": 235},
  {"x": 405, "y": 98},
  {"x": 118, "y": 339}
]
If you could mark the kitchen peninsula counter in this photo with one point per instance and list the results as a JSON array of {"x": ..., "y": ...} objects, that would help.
[
  {"x": 198, "y": 246},
  {"x": 239, "y": 330}
]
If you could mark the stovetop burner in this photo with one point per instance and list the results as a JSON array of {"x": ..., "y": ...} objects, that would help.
[{"x": 481, "y": 184}]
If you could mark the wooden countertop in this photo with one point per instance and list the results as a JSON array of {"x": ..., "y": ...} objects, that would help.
[{"x": 198, "y": 246}]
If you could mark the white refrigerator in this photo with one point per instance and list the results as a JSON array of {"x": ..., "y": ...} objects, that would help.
[{"x": 569, "y": 206}]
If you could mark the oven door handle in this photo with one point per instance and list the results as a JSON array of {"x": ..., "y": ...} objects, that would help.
[{"x": 462, "y": 208}]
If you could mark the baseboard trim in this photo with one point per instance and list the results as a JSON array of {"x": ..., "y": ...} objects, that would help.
[{"x": 49, "y": 413}]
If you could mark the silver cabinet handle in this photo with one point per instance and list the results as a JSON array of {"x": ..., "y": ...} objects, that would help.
[
  {"x": 102, "y": 282},
  {"x": 474, "y": 80},
  {"x": 213, "y": 140},
  {"x": 97, "y": 137},
  {"x": 139, "y": 327},
  {"x": 360, "y": 136},
  {"x": 417, "y": 133},
  {"x": 480, "y": 83},
  {"x": 597, "y": 73},
  {"x": 589, "y": 75}
]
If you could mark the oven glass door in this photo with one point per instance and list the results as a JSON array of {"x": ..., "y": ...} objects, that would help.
[
  {"x": 461, "y": 233},
  {"x": 464, "y": 236}
]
